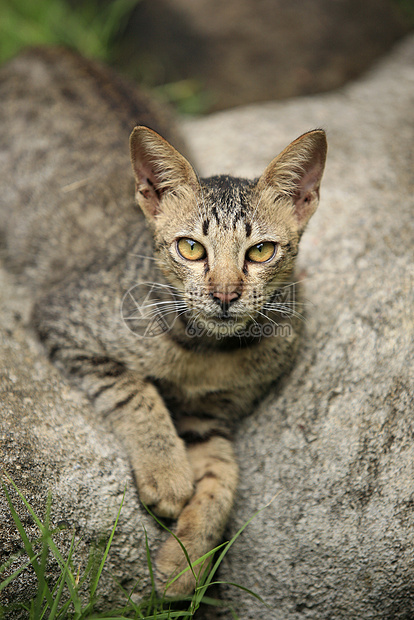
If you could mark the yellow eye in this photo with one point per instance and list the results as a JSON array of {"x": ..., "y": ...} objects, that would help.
[
  {"x": 261, "y": 252},
  {"x": 190, "y": 249}
]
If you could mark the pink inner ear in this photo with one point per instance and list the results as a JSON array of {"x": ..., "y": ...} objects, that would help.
[
  {"x": 307, "y": 194},
  {"x": 143, "y": 191},
  {"x": 311, "y": 180},
  {"x": 146, "y": 186},
  {"x": 145, "y": 176}
]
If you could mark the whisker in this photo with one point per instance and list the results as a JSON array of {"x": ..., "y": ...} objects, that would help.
[
  {"x": 164, "y": 311},
  {"x": 291, "y": 313},
  {"x": 181, "y": 313},
  {"x": 173, "y": 290},
  {"x": 255, "y": 321},
  {"x": 168, "y": 312},
  {"x": 158, "y": 307},
  {"x": 276, "y": 304},
  {"x": 172, "y": 303},
  {"x": 283, "y": 308},
  {"x": 267, "y": 318}
]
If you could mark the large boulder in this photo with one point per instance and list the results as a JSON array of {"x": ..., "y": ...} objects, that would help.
[
  {"x": 51, "y": 443},
  {"x": 332, "y": 447},
  {"x": 333, "y": 444}
]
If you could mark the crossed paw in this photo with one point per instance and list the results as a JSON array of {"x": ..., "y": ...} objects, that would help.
[{"x": 165, "y": 483}]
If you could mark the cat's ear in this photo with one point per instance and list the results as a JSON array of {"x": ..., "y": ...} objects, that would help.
[
  {"x": 158, "y": 168},
  {"x": 297, "y": 173}
]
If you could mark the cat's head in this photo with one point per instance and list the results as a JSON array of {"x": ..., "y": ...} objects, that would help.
[{"x": 227, "y": 244}]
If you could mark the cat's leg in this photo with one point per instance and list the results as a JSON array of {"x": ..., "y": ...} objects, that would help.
[
  {"x": 159, "y": 459},
  {"x": 201, "y": 524},
  {"x": 78, "y": 333},
  {"x": 138, "y": 416}
]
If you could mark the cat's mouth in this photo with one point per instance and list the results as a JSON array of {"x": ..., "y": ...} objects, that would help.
[{"x": 225, "y": 316}]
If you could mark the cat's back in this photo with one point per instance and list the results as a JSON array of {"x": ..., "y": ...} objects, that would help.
[{"x": 66, "y": 186}]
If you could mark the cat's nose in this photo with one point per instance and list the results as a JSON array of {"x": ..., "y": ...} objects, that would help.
[{"x": 225, "y": 299}]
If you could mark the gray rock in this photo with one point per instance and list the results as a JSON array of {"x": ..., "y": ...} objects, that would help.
[
  {"x": 50, "y": 442},
  {"x": 332, "y": 448},
  {"x": 333, "y": 445}
]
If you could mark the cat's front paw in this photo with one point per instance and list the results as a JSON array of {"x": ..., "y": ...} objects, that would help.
[{"x": 165, "y": 483}]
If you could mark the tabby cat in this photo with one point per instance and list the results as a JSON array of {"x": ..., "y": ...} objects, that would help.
[{"x": 176, "y": 316}]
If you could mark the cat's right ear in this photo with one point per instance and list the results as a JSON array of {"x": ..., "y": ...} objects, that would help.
[
  {"x": 158, "y": 168},
  {"x": 297, "y": 172}
]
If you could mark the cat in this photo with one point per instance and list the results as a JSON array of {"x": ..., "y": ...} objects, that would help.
[{"x": 176, "y": 315}]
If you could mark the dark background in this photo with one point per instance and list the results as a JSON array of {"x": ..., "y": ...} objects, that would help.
[{"x": 205, "y": 55}]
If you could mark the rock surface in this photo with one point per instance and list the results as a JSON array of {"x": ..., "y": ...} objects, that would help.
[
  {"x": 334, "y": 444},
  {"x": 50, "y": 442}
]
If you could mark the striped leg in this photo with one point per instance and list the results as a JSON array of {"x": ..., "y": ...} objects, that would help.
[
  {"x": 158, "y": 456},
  {"x": 201, "y": 523}
]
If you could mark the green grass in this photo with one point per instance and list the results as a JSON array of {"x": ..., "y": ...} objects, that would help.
[
  {"x": 85, "y": 27},
  {"x": 406, "y": 8},
  {"x": 94, "y": 29},
  {"x": 74, "y": 595}
]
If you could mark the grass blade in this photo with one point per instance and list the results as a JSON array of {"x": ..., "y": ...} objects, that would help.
[
  {"x": 27, "y": 544},
  {"x": 43, "y": 560},
  {"x": 16, "y": 573},
  {"x": 209, "y": 578},
  {"x": 187, "y": 557},
  {"x": 108, "y": 546},
  {"x": 240, "y": 587},
  {"x": 69, "y": 579},
  {"x": 62, "y": 579}
]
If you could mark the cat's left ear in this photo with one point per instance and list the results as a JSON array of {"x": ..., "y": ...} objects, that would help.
[
  {"x": 297, "y": 173},
  {"x": 158, "y": 168}
]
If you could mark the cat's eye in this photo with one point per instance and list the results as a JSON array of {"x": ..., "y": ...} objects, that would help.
[
  {"x": 261, "y": 252},
  {"x": 190, "y": 249}
]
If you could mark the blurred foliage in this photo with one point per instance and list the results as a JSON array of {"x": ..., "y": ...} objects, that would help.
[
  {"x": 187, "y": 96},
  {"x": 87, "y": 27},
  {"x": 98, "y": 29},
  {"x": 93, "y": 28},
  {"x": 407, "y": 9}
]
